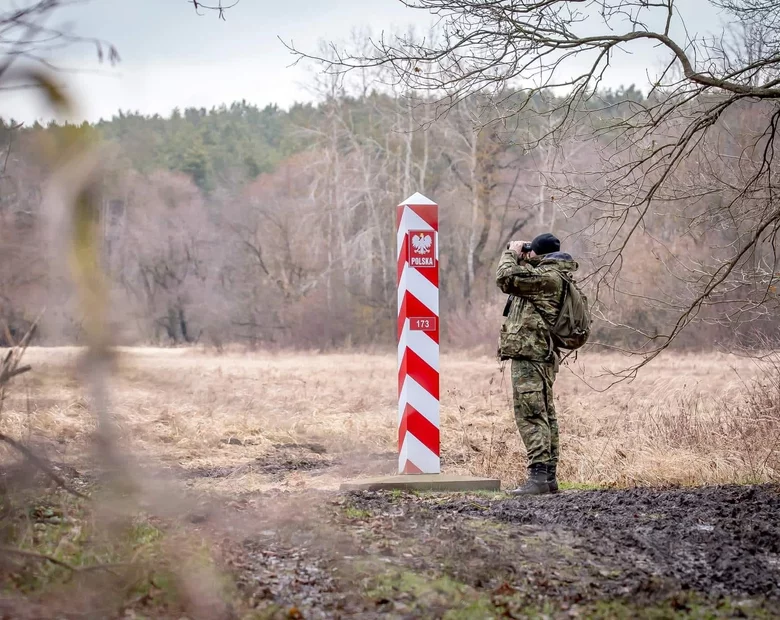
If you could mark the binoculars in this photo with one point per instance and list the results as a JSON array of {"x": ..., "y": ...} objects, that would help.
[{"x": 526, "y": 248}]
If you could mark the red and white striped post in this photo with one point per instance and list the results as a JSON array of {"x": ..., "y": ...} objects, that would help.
[{"x": 418, "y": 336}]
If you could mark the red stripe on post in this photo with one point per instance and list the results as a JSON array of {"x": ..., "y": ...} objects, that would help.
[
  {"x": 402, "y": 314},
  {"x": 432, "y": 275},
  {"x": 402, "y": 372},
  {"x": 411, "y": 468},
  {"x": 402, "y": 258},
  {"x": 428, "y": 213},
  {"x": 402, "y": 428},
  {"x": 418, "y": 425},
  {"x": 419, "y": 370},
  {"x": 414, "y": 366}
]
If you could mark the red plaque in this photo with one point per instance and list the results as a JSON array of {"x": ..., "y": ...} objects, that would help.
[
  {"x": 422, "y": 324},
  {"x": 422, "y": 249}
]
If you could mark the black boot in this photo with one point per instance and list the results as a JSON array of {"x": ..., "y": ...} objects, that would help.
[
  {"x": 536, "y": 483},
  {"x": 551, "y": 481}
]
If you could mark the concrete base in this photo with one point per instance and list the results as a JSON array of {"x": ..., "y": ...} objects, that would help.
[{"x": 423, "y": 482}]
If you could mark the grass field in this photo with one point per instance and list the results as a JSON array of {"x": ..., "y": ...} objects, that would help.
[
  {"x": 239, "y": 422},
  {"x": 232, "y": 509}
]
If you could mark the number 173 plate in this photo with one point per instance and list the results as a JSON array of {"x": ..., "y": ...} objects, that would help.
[{"x": 422, "y": 324}]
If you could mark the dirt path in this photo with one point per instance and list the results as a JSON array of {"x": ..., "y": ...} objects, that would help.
[{"x": 709, "y": 552}]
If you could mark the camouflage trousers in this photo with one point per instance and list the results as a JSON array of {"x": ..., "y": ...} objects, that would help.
[{"x": 532, "y": 389}]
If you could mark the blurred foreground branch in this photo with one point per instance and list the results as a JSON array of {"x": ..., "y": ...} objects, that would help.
[
  {"x": 11, "y": 367},
  {"x": 26, "y": 37}
]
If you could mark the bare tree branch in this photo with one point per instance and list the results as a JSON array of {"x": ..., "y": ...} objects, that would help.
[
  {"x": 220, "y": 8},
  {"x": 543, "y": 63}
]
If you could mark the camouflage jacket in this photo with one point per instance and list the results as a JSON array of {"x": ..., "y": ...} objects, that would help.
[{"x": 536, "y": 287}]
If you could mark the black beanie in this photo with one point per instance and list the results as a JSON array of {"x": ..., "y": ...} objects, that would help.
[{"x": 545, "y": 244}]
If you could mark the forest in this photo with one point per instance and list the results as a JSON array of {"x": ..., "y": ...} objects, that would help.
[{"x": 275, "y": 228}]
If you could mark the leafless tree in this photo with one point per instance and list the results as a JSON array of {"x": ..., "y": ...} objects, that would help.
[
  {"x": 161, "y": 234},
  {"x": 518, "y": 54}
]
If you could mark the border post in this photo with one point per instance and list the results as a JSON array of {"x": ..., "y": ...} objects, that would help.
[{"x": 418, "y": 336}]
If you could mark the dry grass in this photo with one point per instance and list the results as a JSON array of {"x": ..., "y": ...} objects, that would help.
[{"x": 689, "y": 419}]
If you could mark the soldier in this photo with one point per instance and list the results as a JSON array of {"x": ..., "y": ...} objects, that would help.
[{"x": 531, "y": 275}]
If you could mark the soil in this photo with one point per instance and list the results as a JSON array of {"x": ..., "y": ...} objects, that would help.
[
  {"x": 722, "y": 540},
  {"x": 708, "y": 552},
  {"x": 281, "y": 460}
]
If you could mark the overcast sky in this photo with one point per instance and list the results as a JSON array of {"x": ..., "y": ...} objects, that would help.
[{"x": 171, "y": 57}]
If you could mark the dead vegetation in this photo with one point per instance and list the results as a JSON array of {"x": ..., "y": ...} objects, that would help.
[{"x": 242, "y": 422}]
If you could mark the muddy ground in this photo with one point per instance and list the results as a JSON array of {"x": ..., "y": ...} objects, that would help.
[{"x": 710, "y": 552}]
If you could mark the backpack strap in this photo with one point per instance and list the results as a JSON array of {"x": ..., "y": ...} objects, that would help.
[
  {"x": 508, "y": 305},
  {"x": 551, "y": 348}
]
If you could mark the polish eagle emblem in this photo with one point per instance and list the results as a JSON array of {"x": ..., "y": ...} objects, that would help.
[{"x": 422, "y": 243}]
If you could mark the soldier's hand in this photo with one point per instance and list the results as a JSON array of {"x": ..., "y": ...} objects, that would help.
[{"x": 517, "y": 247}]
